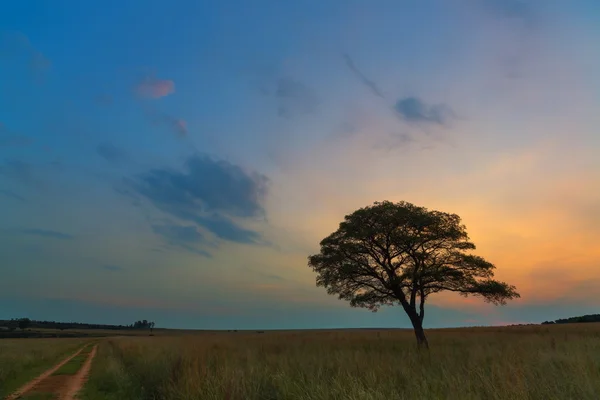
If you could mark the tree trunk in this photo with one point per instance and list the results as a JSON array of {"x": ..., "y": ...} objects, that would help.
[{"x": 422, "y": 342}]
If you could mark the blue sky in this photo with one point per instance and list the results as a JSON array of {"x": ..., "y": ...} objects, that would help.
[{"x": 178, "y": 161}]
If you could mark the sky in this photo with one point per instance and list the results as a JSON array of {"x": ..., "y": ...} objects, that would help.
[{"x": 178, "y": 161}]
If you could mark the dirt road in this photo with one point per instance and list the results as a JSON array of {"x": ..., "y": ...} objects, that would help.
[
  {"x": 64, "y": 387},
  {"x": 78, "y": 380}
]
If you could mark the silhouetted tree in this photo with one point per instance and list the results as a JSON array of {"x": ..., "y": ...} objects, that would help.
[
  {"x": 24, "y": 323},
  {"x": 575, "y": 320},
  {"x": 398, "y": 253}
]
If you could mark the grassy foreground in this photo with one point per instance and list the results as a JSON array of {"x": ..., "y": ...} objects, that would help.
[
  {"x": 23, "y": 359},
  {"x": 549, "y": 362}
]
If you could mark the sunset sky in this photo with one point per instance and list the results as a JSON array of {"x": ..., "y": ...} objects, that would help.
[{"x": 178, "y": 161}]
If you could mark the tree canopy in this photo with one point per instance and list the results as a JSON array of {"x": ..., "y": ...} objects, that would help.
[{"x": 399, "y": 253}]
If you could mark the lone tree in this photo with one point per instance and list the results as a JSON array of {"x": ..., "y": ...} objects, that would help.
[{"x": 399, "y": 253}]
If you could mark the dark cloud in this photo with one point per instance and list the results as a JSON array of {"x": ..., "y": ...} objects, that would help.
[
  {"x": 112, "y": 268},
  {"x": 412, "y": 109},
  {"x": 208, "y": 193},
  {"x": 47, "y": 233},
  {"x": 179, "y": 234},
  {"x": 111, "y": 153},
  {"x": 185, "y": 237},
  {"x": 295, "y": 98},
  {"x": 11, "y": 194},
  {"x": 362, "y": 77},
  {"x": 224, "y": 228}
]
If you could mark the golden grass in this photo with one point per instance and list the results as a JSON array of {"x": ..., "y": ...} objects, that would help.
[{"x": 542, "y": 362}]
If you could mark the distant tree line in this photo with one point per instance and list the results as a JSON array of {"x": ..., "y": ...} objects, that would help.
[
  {"x": 575, "y": 320},
  {"x": 144, "y": 324},
  {"x": 25, "y": 323}
]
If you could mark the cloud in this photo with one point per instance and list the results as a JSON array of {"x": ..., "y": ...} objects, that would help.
[
  {"x": 412, "y": 109},
  {"x": 19, "y": 171},
  {"x": 110, "y": 153},
  {"x": 12, "y": 195},
  {"x": 178, "y": 234},
  {"x": 186, "y": 237},
  {"x": 177, "y": 125},
  {"x": 362, "y": 77},
  {"x": 47, "y": 233},
  {"x": 112, "y": 268},
  {"x": 39, "y": 62},
  {"x": 294, "y": 98},
  {"x": 17, "y": 45},
  {"x": 208, "y": 193},
  {"x": 151, "y": 88},
  {"x": 224, "y": 228}
]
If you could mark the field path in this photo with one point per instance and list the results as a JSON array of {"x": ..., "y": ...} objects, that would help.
[
  {"x": 33, "y": 383},
  {"x": 65, "y": 387},
  {"x": 78, "y": 380}
]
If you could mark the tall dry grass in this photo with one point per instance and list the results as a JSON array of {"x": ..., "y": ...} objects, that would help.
[{"x": 544, "y": 362}]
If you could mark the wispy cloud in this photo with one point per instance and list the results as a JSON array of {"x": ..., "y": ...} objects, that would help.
[
  {"x": 179, "y": 234},
  {"x": 186, "y": 237},
  {"x": 8, "y": 139},
  {"x": 295, "y": 98},
  {"x": 111, "y": 153},
  {"x": 176, "y": 125},
  {"x": 20, "y": 172},
  {"x": 47, "y": 233},
  {"x": 208, "y": 193},
  {"x": 413, "y": 109},
  {"x": 152, "y": 88},
  {"x": 11, "y": 194},
  {"x": 362, "y": 77},
  {"x": 16, "y": 45}
]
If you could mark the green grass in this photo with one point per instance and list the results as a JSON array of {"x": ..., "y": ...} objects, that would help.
[
  {"x": 533, "y": 363},
  {"x": 23, "y": 359},
  {"x": 74, "y": 364}
]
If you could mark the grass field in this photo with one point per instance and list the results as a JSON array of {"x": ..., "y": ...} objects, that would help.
[
  {"x": 540, "y": 362},
  {"x": 24, "y": 359}
]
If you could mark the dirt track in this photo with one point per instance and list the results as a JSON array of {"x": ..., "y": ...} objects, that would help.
[
  {"x": 78, "y": 380},
  {"x": 65, "y": 387}
]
